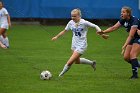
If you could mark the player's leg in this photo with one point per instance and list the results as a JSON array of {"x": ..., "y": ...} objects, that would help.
[
  {"x": 2, "y": 45},
  {"x": 126, "y": 55},
  {"x": 75, "y": 55},
  {"x": 2, "y": 31},
  {"x": 86, "y": 61},
  {"x": 133, "y": 56},
  {"x": 4, "y": 37},
  {"x": 5, "y": 40}
]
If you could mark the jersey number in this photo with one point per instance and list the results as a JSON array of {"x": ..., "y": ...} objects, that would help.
[{"x": 78, "y": 34}]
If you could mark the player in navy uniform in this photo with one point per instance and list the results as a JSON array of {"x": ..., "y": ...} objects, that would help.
[{"x": 131, "y": 47}]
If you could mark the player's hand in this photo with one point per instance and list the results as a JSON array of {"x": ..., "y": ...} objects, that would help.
[
  {"x": 138, "y": 31},
  {"x": 123, "y": 49},
  {"x": 100, "y": 32},
  {"x": 105, "y": 36},
  {"x": 124, "y": 46},
  {"x": 54, "y": 38},
  {"x": 9, "y": 24}
]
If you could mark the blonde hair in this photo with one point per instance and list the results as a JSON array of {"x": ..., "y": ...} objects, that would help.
[
  {"x": 128, "y": 10},
  {"x": 77, "y": 10}
]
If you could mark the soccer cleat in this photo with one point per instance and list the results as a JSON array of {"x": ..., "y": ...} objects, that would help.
[
  {"x": 94, "y": 65},
  {"x": 61, "y": 74},
  {"x": 6, "y": 46},
  {"x": 133, "y": 77}
]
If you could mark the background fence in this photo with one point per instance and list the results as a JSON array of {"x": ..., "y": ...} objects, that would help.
[{"x": 59, "y": 9}]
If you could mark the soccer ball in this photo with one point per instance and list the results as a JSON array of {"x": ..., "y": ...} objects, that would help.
[{"x": 45, "y": 75}]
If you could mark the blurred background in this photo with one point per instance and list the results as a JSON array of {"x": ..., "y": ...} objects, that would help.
[{"x": 57, "y": 12}]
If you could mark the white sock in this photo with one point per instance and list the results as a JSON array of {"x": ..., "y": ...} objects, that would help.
[
  {"x": 1, "y": 39},
  {"x": 6, "y": 41},
  {"x": 85, "y": 61},
  {"x": 65, "y": 69}
]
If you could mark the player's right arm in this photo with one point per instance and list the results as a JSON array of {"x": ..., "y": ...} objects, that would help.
[
  {"x": 9, "y": 20},
  {"x": 110, "y": 29},
  {"x": 62, "y": 32},
  {"x": 58, "y": 35}
]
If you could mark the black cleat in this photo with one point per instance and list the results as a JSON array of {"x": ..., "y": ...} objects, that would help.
[{"x": 133, "y": 77}]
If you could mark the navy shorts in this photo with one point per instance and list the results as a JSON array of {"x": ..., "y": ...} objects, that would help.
[{"x": 135, "y": 40}]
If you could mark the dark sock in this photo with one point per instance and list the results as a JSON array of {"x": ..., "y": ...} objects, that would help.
[{"x": 134, "y": 67}]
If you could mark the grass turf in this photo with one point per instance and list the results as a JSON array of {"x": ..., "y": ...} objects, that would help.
[{"x": 32, "y": 51}]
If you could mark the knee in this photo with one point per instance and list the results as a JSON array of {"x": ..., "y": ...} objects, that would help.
[
  {"x": 77, "y": 62},
  {"x": 126, "y": 58}
]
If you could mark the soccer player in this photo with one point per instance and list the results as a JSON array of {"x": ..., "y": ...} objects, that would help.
[
  {"x": 79, "y": 28},
  {"x": 131, "y": 47},
  {"x": 5, "y": 23}
]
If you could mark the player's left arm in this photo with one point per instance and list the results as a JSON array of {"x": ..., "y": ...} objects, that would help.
[
  {"x": 132, "y": 32},
  {"x": 9, "y": 20},
  {"x": 8, "y": 17},
  {"x": 130, "y": 36},
  {"x": 98, "y": 29},
  {"x": 93, "y": 26}
]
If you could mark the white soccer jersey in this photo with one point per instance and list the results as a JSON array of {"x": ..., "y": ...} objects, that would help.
[
  {"x": 3, "y": 17},
  {"x": 79, "y": 30}
]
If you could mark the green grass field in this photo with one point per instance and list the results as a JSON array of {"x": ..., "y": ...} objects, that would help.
[{"x": 32, "y": 51}]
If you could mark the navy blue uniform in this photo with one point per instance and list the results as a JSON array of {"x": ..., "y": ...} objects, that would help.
[{"x": 132, "y": 22}]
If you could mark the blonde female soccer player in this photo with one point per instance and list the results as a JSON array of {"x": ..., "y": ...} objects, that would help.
[
  {"x": 5, "y": 23},
  {"x": 131, "y": 47},
  {"x": 79, "y": 28}
]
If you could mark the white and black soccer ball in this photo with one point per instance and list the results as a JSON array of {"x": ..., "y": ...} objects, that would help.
[{"x": 45, "y": 75}]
